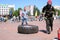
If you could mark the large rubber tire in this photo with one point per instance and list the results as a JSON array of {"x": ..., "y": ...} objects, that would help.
[{"x": 27, "y": 29}]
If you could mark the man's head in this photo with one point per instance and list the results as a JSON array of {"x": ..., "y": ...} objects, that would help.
[{"x": 49, "y": 2}]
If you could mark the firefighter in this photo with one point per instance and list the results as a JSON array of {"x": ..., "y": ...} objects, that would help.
[{"x": 49, "y": 11}]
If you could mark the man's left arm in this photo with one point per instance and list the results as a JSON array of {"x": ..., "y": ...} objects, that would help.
[{"x": 53, "y": 10}]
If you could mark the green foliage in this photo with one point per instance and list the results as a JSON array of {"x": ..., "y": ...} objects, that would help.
[
  {"x": 58, "y": 11},
  {"x": 19, "y": 10},
  {"x": 36, "y": 9},
  {"x": 15, "y": 13}
]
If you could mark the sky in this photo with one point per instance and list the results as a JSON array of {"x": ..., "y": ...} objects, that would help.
[{"x": 22, "y": 3}]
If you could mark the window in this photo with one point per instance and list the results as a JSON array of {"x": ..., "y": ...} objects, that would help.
[
  {"x": 0, "y": 9},
  {"x": 2, "y": 6}
]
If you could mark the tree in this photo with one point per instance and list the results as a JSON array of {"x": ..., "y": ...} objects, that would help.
[
  {"x": 36, "y": 9},
  {"x": 15, "y": 13},
  {"x": 58, "y": 11},
  {"x": 19, "y": 10}
]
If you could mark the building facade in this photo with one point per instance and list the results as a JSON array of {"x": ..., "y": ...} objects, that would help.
[
  {"x": 57, "y": 7},
  {"x": 30, "y": 8},
  {"x": 4, "y": 9}
]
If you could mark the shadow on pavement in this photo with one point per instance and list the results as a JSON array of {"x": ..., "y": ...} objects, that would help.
[
  {"x": 56, "y": 38},
  {"x": 44, "y": 31},
  {"x": 26, "y": 33}
]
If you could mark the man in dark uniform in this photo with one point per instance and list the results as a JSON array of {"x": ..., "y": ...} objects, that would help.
[{"x": 49, "y": 11}]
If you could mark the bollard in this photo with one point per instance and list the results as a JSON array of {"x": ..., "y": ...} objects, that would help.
[{"x": 59, "y": 34}]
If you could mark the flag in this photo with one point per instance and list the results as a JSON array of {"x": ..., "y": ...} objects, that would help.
[{"x": 35, "y": 13}]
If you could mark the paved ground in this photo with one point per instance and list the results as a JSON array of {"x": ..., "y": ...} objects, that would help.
[{"x": 8, "y": 31}]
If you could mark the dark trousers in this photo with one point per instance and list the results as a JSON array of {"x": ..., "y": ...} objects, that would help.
[
  {"x": 49, "y": 24},
  {"x": 19, "y": 18}
]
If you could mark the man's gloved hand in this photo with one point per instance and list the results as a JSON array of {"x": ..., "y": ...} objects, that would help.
[{"x": 45, "y": 18}]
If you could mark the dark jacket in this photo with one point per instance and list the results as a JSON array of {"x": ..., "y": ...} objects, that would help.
[{"x": 49, "y": 11}]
